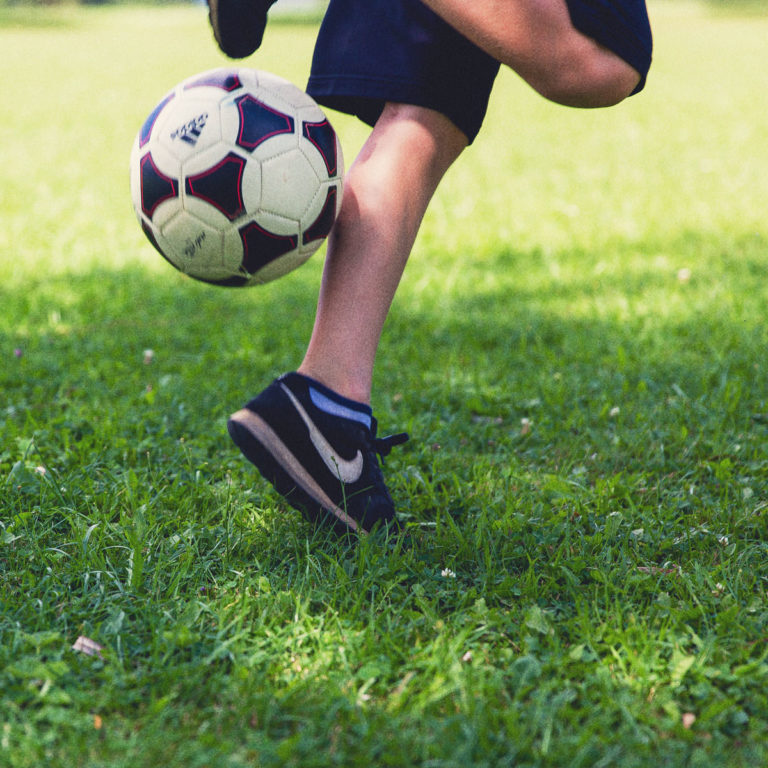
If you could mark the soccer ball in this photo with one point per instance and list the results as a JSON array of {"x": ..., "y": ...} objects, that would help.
[{"x": 236, "y": 177}]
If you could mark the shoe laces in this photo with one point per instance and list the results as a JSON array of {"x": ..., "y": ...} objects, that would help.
[{"x": 384, "y": 445}]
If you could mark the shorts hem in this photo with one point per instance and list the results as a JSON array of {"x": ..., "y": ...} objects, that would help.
[{"x": 365, "y": 96}]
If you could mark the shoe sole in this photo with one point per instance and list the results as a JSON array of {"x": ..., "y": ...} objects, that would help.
[
  {"x": 262, "y": 446},
  {"x": 238, "y": 49}
]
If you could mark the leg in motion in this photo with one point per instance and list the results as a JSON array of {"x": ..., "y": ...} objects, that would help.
[
  {"x": 312, "y": 434},
  {"x": 388, "y": 189},
  {"x": 538, "y": 40}
]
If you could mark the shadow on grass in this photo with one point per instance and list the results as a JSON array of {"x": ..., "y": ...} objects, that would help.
[
  {"x": 678, "y": 360},
  {"x": 641, "y": 322},
  {"x": 672, "y": 354}
]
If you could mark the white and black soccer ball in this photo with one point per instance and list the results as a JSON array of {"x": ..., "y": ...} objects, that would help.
[{"x": 236, "y": 177}]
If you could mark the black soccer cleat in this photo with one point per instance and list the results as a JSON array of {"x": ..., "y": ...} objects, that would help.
[
  {"x": 238, "y": 25},
  {"x": 319, "y": 451}
]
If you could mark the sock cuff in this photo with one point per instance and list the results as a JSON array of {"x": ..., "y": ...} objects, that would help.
[{"x": 332, "y": 402}]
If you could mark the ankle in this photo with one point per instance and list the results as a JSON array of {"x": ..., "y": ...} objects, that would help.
[{"x": 338, "y": 382}]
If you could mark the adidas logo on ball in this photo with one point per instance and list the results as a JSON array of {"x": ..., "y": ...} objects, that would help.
[{"x": 192, "y": 130}]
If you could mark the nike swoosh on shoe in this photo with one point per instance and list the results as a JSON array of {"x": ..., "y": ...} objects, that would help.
[
  {"x": 347, "y": 470},
  {"x": 264, "y": 434}
]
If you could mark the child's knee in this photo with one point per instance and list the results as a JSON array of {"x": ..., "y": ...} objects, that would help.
[
  {"x": 587, "y": 76},
  {"x": 421, "y": 139}
]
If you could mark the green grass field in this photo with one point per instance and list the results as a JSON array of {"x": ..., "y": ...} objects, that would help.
[{"x": 578, "y": 350}]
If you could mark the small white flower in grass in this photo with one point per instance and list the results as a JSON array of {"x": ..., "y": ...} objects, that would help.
[
  {"x": 683, "y": 275},
  {"x": 447, "y": 573},
  {"x": 688, "y": 720},
  {"x": 149, "y": 356},
  {"x": 88, "y": 647},
  {"x": 614, "y": 412},
  {"x": 467, "y": 657}
]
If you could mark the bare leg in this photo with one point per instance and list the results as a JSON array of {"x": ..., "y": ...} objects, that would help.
[
  {"x": 387, "y": 191},
  {"x": 537, "y": 40}
]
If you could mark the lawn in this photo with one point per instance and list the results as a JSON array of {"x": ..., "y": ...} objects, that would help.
[{"x": 578, "y": 350}]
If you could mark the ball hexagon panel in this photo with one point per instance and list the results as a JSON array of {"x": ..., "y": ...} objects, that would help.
[
  {"x": 279, "y": 90},
  {"x": 251, "y": 187},
  {"x": 189, "y": 124},
  {"x": 194, "y": 246},
  {"x": 288, "y": 184}
]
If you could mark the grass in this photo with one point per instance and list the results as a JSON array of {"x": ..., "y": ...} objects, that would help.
[{"x": 577, "y": 349}]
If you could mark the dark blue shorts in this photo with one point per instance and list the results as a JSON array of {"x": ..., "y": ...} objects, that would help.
[{"x": 369, "y": 52}]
